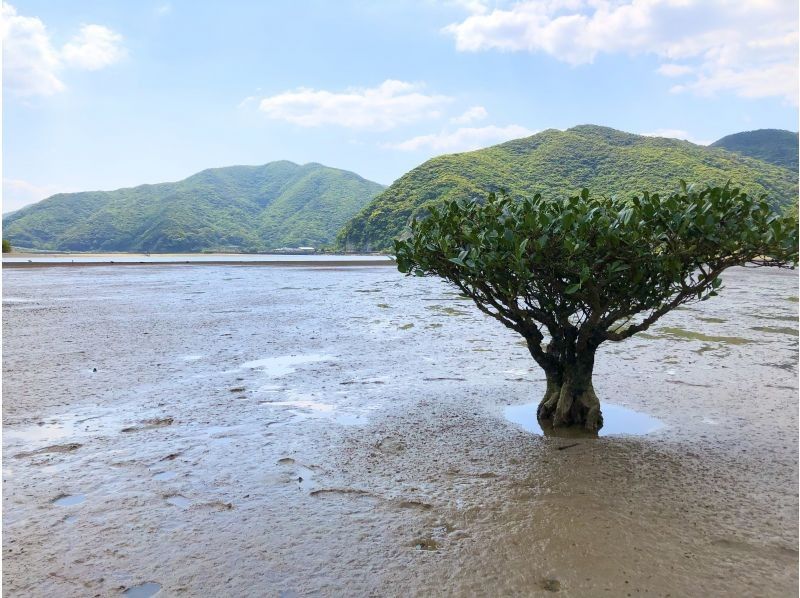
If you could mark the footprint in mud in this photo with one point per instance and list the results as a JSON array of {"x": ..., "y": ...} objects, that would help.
[
  {"x": 56, "y": 448},
  {"x": 150, "y": 424},
  {"x": 143, "y": 590}
]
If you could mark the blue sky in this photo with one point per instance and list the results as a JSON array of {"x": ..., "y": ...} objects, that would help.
[{"x": 105, "y": 94}]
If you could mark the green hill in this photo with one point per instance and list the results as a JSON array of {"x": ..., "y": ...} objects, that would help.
[
  {"x": 775, "y": 146},
  {"x": 252, "y": 208},
  {"x": 560, "y": 162}
]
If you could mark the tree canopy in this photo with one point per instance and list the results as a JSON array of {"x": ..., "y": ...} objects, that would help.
[{"x": 587, "y": 269}]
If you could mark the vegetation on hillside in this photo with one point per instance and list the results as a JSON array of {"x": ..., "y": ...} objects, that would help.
[
  {"x": 246, "y": 208},
  {"x": 571, "y": 274},
  {"x": 554, "y": 162},
  {"x": 6, "y": 246},
  {"x": 775, "y": 146}
]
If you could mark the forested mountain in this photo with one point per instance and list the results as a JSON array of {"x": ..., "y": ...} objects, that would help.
[
  {"x": 775, "y": 146},
  {"x": 557, "y": 163},
  {"x": 249, "y": 208}
]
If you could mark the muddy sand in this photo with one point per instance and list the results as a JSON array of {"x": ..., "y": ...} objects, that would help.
[{"x": 240, "y": 431}]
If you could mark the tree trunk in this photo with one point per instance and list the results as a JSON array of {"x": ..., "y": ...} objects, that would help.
[{"x": 569, "y": 400}]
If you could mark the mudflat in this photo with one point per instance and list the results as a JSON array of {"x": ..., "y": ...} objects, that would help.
[{"x": 240, "y": 431}]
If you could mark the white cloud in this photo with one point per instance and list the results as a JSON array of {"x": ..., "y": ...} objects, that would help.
[
  {"x": 94, "y": 48},
  {"x": 32, "y": 65},
  {"x": 676, "y": 134},
  {"x": 470, "y": 115},
  {"x": 29, "y": 60},
  {"x": 386, "y": 106},
  {"x": 163, "y": 9},
  {"x": 18, "y": 193},
  {"x": 671, "y": 69},
  {"x": 745, "y": 46},
  {"x": 462, "y": 139}
]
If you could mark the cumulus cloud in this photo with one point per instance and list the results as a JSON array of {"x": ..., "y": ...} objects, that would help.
[
  {"x": 470, "y": 115},
  {"x": 390, "y": 104},
  {"x": 677, "y": 134},
  {"x": 462, "y": 139},
  {"x": 29, "y": 60},
  {"x": 748, "y": 47},
  {"x": 32, "y": 65},
  {"x": 18, "y": 193},
  {"x": 94, "y": 48}
]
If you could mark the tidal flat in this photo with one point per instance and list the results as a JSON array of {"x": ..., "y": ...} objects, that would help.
[{"x": 238, "y": 430}]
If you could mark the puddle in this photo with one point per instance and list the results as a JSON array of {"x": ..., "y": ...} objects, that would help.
[
  {"x": 616, "y": 420},
  {"x": 682, "y": 334},
  {"x": 49, "y": 431},
  {"x": 165, "y": 475},
  {"x": 349, "y": 419},
  {"x": 69, "y": 500},
  {"x": 275, "y": 367},
  {"x": 311, "y": 405},
  {"x": 178, "y": 501},
  {"x": 144, "y": 590}
]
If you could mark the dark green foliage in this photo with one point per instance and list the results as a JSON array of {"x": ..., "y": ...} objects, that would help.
[
  {"x": 775, "y": 146},
  {"x": 6, "y": 246},
  {"x": 551, "y": 162},
  {"x": 247, "y": 208},
  {"x": 594, "y": 258},
  {"x": 577, "y": 272}
]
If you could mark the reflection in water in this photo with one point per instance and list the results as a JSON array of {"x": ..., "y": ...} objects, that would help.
[{"x": 616, "y": 420}]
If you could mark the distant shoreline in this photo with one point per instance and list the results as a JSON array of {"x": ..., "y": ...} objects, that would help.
[{"x": 42, "y": 260}]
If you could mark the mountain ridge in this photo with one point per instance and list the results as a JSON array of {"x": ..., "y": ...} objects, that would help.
[
  {"x": 241, "y": 207},
  {"x": 776, "y": 146},
  {"x": 558, "y": 162}
]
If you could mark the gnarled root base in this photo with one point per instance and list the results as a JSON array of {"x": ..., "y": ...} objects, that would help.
[{"x": 570, "y": 405}]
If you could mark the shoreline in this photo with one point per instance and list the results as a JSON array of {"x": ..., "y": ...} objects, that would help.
[
  {"x": 275, "y": 263},
  {"x": 38, "y": 260}
]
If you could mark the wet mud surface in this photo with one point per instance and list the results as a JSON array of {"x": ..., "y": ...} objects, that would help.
[{"x": 240, "y": 431}]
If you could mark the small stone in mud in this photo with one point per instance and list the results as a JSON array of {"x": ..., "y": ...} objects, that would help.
[
  {"x": 551, "y": 585},
  {"x": 300, "y": 480},
  {"x": 426, "y": 544},
  {"x": 94, "y": 369},
  {"x": 237, "y": 389}
]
